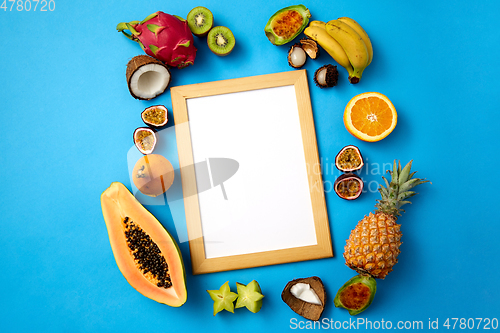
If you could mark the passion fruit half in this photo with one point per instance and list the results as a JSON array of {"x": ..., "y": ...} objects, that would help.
[
  {"x": 145, "y": 139},
  {"x": 357, "y": 294},
  {"x": 348, "y": 186},
  {"x": 349, "y": 159},
  {"x": 155, "y": 116}
]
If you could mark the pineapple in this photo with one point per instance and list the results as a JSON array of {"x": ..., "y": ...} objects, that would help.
[{"x": 373, "y": 246}]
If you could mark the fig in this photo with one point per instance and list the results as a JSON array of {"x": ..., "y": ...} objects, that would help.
[
  {"x": 286, "y": 24},
  {"x": 155, "y": 116},
  {"x": 145, "y": 139},
  {"x": 249, "y": 296},
  {"x": 348, "y": 186},
  {"x": 223, "y": 298},
  {"x": 303, "y": 308},
  {"x": 349, "y": 159},
  {"x": 357, "y": 294}
]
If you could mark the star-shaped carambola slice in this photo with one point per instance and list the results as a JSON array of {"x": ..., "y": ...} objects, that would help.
[
  {"x": 249, "y": 296},
  {"x": 223, "y": 298}
]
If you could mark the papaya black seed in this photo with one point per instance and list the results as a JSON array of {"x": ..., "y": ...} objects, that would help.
[{"x": 146, "y": 253}]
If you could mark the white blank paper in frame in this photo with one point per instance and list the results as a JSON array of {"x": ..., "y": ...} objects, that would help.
[{"x": 268, "y": 204}]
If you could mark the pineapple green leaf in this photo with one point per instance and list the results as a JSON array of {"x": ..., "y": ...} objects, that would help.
[
  {"x": 403, "y": 176},
  {"x": 386, "y": 182},
  {"x": 405, "y": 195},
  {"x": 395, "y": 173}
]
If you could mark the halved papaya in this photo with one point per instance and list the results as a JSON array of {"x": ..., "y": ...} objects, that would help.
[{"x": 145, "y": 252}]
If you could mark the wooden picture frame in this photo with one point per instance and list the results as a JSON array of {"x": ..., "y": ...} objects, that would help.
[{"x": 233, "y": 90}]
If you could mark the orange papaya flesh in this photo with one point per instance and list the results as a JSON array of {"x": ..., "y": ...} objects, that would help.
[{"x": 145, "y": 252}]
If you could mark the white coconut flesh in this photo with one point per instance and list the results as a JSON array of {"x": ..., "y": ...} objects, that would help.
[
  {"x": 322, "y": 77},
  {"x": 149, "y": 81},
  {"x": 304, "y": 292}
]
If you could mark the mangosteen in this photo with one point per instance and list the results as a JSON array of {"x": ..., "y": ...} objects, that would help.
[
  {"x": 311, "y": 47},
  {"x": 326, "y": 76},
  {"x": 297, "y": 56}
]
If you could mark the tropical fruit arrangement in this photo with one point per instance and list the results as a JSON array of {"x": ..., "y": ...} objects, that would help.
[{"x": 146, "y": 253}]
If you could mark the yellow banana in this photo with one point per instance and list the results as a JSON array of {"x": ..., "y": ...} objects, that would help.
[
  {"x": 362, "y": 33},
  {"x": 320, "y": 24},
  {"x": 330, "y": 45},
  {"x": 353, "y": 46}
]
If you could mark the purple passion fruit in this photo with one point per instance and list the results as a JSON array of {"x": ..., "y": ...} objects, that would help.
[
  {"x": 145, "y": 139},
  {"x": 348, "y": 186},
  {"x": 155, "y": 116},
  {"x": 349, "y": 159}
]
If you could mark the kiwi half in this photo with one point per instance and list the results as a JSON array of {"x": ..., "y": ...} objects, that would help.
[
  {"x": 221, "y": 41},
  {"x": 200, "y": 21}
]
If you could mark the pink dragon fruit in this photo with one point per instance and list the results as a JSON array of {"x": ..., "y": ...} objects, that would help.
[{"x": 163, "y": 37}]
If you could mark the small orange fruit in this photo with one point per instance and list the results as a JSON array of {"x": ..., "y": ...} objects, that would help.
[
  {"x": 370, "y": 116},
  {"x": 153, "y": 174}
]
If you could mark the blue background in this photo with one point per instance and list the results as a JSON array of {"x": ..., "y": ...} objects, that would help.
[{"x": 67, "y": 122}]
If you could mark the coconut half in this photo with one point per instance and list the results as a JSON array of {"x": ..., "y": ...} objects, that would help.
[
  {"x": 147, "y": 77},
  {"x": 307, "y": 309}
]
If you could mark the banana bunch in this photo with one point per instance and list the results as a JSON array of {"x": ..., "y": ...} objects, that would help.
[{"x": 346, "y": 41}]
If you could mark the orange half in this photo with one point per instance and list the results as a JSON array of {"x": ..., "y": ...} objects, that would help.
[{"x": 370, "y": 116}]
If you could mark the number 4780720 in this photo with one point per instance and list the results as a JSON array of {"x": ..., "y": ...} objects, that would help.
[{"x": 28, "y": 5}]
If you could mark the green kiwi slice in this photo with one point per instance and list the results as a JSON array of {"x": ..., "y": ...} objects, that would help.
[
  {"x": 200, "y": 21},
  {"x": 221, "y": 41}
]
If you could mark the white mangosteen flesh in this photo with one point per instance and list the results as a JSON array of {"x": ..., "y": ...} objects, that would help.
[
  {"x": 322, "y": 77},
  {"x": 149, "y": 81},
  {"x": 298, "y": 57},
  {"x": 304, "y": 292}
]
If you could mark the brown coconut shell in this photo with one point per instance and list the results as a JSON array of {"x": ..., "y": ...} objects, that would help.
[
  {"x": 305, "y": 309},
  {"x": 137, "y": 62}
]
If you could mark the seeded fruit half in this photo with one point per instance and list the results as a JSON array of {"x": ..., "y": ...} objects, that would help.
[
  {"x": 200, "y": 21},
  {"x": 348, "y": 186},
  {"x": 145, "y": 139},
  {"x": 249, "y": 296},
  {"x": 147, "y": 77},
  {"x": 221, "y": 41},
  {"x": 145, "y": 252},
  {"x": 286, "y": 24},
  {"x": 349, "y": 159},
  {"x": 153, "y": 175},
  {"x": 305, "y": 309},
  {"x": 156, "y": 116},
  {"x": 357, "y": 294},
  {"x": 223, "y": 298}
]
